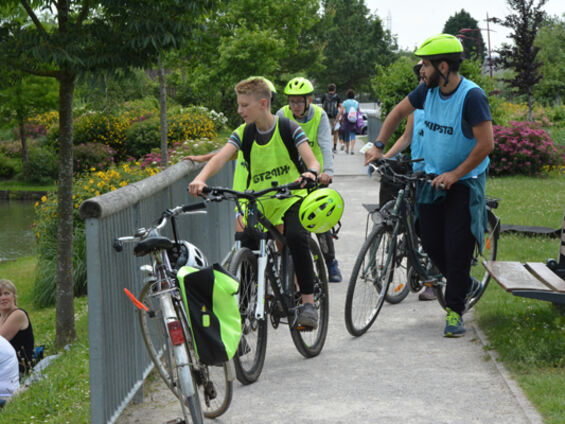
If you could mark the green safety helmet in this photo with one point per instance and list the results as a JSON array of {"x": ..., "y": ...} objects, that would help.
[
  {"x": 441, "y": 46},
  {"x": 298, "y": 87},
  {"x": 321, "y": 210}
]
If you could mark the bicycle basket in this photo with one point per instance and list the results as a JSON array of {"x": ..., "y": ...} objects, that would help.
[
  {"x": 389, "y": 184},
  {"x": 209, "y": 295}
]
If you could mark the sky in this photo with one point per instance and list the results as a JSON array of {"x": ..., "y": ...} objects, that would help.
[{"x": 412, "y": 21}]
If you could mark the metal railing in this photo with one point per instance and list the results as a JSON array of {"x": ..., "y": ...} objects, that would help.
[{"x": 118, "y": 359}]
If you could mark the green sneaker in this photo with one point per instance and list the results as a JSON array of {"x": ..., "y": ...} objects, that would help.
[{"x": 453, "y": 324}]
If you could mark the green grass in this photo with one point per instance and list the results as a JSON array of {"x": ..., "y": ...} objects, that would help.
[
  {"x": 528, "y": 335},
  {"x": 63, "y": 396},
  {"x": 15, "y": 185}
]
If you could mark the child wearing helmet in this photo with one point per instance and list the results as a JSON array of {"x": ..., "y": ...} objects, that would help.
[
  {"x": 268, "y": 151},
  {"x": 456, "y": 140},
  {"x": 315, "y": 123}
]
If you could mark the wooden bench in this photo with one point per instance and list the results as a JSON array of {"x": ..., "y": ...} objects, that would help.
[{"x": 534, "y": 280}]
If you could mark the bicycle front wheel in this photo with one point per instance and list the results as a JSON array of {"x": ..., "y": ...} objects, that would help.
[
  {"x": 398, "y": 287},
  {"x": 310, "y": 342},
  {"x": 490, "y": 249},
  {"x": 369, "y": 281},
  {"x": 157, "y": 341},
  {"x": 250, "y": 355}
]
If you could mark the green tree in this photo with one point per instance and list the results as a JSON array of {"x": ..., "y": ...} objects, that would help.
[
  {"x": 244, "y": 38},
  {"x": 21, "y": 96},
  {"x": 71, "y": 37},
  {"x": 355, "y": 43},
  {"x": 521, "y": 57},
  {"x": 392, "y": 84},
  {"x": 551, "y": 42},
  {"x": 466, "y": 28}
]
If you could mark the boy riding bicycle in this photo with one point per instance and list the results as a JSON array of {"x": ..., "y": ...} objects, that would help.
[{"x": 269, "y": 161}]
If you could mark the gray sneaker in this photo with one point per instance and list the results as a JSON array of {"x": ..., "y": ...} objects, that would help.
[
  {"x": 429, "y": 293},
  {"x": 308, "y": 316}
]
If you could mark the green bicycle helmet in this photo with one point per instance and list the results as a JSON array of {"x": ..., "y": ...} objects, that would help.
[
  {"x": 298, "y": 87},
  {"x": 321, "y": 210},
  {"x": 445, "y": 46}
]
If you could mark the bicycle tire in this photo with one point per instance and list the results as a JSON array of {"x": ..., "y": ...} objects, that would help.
[
  {"x": 214, "y": 389},
  {"x": 310, "y": 343},
  {"x": 157, "y": 341},
  {"x": 250, "y": 356},
  {"x": 369, "y": 282},
  {"x": 489, "y": 252},
  {"x": 399, "y": 286}
]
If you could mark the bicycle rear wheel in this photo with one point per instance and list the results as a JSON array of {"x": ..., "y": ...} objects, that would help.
[
  {"x": 214, "y": 388},
  {"x": 250, "y": 355},
  {"x": 158, "y": 343},
  {"x": 369, "y": 281},
  {"x": 310, "y": 342},
  {"x": 478, "y": 271}
]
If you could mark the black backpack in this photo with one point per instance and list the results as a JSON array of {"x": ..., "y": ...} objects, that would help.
[
  {"x": 330, "y": 104},
  {"x": 286, "y": 135}
]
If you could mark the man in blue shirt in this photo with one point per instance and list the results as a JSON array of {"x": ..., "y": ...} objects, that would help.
[{"x": 457, "y": 138}]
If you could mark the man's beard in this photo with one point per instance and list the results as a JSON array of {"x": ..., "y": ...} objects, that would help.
[{"x": 433, "y": 80}]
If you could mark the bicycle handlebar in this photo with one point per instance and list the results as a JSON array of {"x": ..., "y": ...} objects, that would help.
[
  {"x": 217, "y": 194},
  {"x": 159, "y": 223}
]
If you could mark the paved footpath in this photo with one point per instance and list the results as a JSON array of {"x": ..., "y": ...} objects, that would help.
[{"x": 401, "y": 371}]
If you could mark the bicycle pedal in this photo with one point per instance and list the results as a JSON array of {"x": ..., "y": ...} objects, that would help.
[
  {"x": 176, "y": 421},
  {"x": 304, "y": 328}
]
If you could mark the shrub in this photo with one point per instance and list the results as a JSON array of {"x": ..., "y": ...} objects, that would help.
[
  {"x": 9, "y": 167},
  {"x": 142, "y": 136},
  {"x": 190, "y": 126},
  {"x": 91, "y": 155},
  {"x": 522, "y": 149},
  {"x": 38, "y": 125},
  {"x": 85, "y": 186},
  {"x": 102, "y": 128},
  {"x": 179, "y": 151},
  {"x": 42, "y": 166}
]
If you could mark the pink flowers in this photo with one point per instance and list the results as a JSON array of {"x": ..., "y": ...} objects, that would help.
[{"x": 523, "y": 148}]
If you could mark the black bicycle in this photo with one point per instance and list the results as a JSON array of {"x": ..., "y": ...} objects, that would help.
[
  {"x": 267, "y": 283},
  {"x": 393, "y": 247}
]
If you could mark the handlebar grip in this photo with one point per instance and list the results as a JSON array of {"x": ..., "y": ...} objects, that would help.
[
  {"x": 206, "y": 190},
  {"x": 117, "y": 245},
  {"x": 194, "y": 207}
]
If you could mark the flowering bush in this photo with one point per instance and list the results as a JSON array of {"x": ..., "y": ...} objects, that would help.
[
  {"x": 218, "y": 118},
  {"x": 523, "y": 148},
  {"x": 92, "y": 155},
  {"x": 179, "y": 151},
  {"x": 190, "y": 125},
  {"x": 87, "y": 185},
  {"x": 38, "y": 125},
  {"x": 102, "y": 128}
]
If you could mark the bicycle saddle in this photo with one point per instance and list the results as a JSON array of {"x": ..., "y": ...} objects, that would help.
[{"x": 152, "y": 244}]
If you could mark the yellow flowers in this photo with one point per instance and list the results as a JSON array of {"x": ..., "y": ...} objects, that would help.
[{"x": 43, "y": 199}]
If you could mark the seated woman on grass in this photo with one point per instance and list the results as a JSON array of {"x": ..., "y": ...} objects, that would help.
[{"x": 15, "y": 325}]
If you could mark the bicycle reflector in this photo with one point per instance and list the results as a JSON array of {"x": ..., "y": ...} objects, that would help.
[
  {"x": 175, "y": 330},
  {"x": 321, "y": 210}
]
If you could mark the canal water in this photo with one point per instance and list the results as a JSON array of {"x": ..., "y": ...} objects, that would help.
[{"x": 16, "y": 232}]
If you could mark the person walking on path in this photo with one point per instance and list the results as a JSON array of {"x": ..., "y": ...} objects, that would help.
[
  {"x": 315, "y": 123},
  {"x": 331, "y": 103},
  {"x": 349, "y": 121},
  {"x": 456, "y": 141}
]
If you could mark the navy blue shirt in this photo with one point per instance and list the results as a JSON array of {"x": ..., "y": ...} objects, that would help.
[{"x": 475, "y": 106}]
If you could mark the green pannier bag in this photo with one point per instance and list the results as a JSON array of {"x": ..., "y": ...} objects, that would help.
[{"x": 209, "y": 295}]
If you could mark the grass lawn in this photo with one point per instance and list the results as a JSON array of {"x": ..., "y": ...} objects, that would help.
[
  {"x": 63, "y": 396},
  {"x": 14, "y": 185},
  {"x": 529, "y": 335}
]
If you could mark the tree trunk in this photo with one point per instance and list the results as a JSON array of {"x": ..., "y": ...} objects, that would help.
[
  {"x": 23, "y": 139},
  {"x": 163, "y": 114},
  {"x": 65, "y": 322}
]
